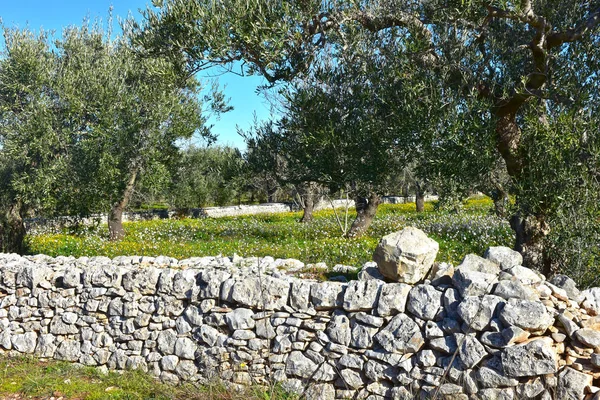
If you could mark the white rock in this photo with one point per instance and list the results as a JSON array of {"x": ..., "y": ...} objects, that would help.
[
  {"x": 477, "y": 312},
  {"x": 406, "y": 256},
  {"x": 24, "y": 343},
  {"x": 169, "y": 363},
  {"x": 327, "y": 295},
  {"x": 240, "y": 318},
  {"x": 528, "y": 315},
  {"x": 424, "y": 302},
  {"x": 361, "y": 295},
  {"x": 392, "y": 298},
  {"x": 572, "y": 384},
  {"x": 504, "y": 256},
  {"x": 400, "y": 335}
]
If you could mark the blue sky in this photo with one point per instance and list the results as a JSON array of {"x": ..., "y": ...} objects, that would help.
[{"x": 56, "y": 14}]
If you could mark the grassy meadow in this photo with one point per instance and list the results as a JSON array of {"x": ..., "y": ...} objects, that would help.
[
  {"x": 282, "y": 236},
  {"x": 28, "y": 378}
]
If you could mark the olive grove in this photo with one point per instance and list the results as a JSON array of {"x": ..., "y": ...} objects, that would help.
[
  {"x": 515, "y": 83},
  {"x": 83, "y": 117}
]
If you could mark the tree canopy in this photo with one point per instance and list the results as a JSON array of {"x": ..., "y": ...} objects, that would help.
[
  {"x": 83, "y": 116},
  {"x": 517, "y": 81}
]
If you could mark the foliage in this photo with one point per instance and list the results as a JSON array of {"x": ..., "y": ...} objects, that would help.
[
  {"x": 83, "y": 116},
  {"x": 505, "y": 74},
  {"x": 43, "y": 379},
  {"x": 280, "y": 236},
  {"x": 207, "y": 176},
  {"x": 266, "y": 171}
]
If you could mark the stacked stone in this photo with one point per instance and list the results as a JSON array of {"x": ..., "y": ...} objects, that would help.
[{"x": 487, "y": 329}]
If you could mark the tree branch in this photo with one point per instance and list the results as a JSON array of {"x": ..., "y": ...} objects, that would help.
[
  {"x": 377, "y": 23},
  {"x": 572, "y": 35}
]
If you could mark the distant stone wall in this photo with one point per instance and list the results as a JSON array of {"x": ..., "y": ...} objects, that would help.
[
  {"x": 483, "y": 330},
  {"x": 407, "y": 199},
  {"x": 56, "y": 224},
  {"x": 233, "y": 211}
]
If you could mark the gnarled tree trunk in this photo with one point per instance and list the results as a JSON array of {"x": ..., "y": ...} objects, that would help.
[
  {"x": 500, "y": 198},
  {"x": 366, "y": 208},
  {"x": 530, "y": 234},
  {"x": 115, "y": 216},
  {"x": 12, "y": 230},
  {"x": 272, "y": 195},
  {"x": 531, "y": 228},
  {"x": 307, "y": 195},
  {"x": 419, "y": 196}
]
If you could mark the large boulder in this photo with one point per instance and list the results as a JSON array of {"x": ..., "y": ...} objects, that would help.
[{"x": 406, "y": 256}]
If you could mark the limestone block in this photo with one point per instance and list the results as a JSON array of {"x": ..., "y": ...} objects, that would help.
[{"x": 406, "y": 256}]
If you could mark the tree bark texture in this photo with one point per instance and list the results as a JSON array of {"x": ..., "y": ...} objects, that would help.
[
  {"x": 500, "y": 198},
  {"x": 419, "y": 197},
  {"x": 530, "y": 234},
  {"x": 272, "y": 195},
  {"x": 115, "y": 216},
  {"x": 12, "y": 231},
  {"x": 308, "y": 203},
  {"x": 366, "y": 208}
]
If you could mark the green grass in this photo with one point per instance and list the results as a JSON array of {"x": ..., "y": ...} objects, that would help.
[
  {"x": 281, "y": 236},
  {"x": 32, "y": 378}
]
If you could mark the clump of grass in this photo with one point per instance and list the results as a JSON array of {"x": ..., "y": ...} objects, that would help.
[
  {"x": 41, "y": 379},
  {"x": 281, "y": 236}
]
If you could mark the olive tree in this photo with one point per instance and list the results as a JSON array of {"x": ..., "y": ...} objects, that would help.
[
  {"x": 206, "y": 176},
  {"x": 82, "y": 118},
  {"x": 32, "y": 164},
  {"x": 532, "y": 63}
]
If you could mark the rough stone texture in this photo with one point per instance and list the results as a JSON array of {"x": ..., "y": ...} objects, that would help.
[
  {"x": 568, "y": 285},
  {"x": 327, "y": 295},
  {"x": 572, "y": 384},
  {"x": 300, "y": 294},
  {"x": 264, "y": 292},
  {"x": 401, "y": 335},
  {"x": 528, "y": 315},
  {"x": 424, "y": 302},
  {"x": 477, "y": 312},
  {"x": 503, "y": 256},
  {"x": 589, "y": 337},
  {"x": 24, "y": 343},
  {"x": 299, "y": 365},
  {"x": 392, "y": 298},
  {"x": 370, "y": 271},
  {"x": 361, "y": 295},
  {"x": 470, "y": 350},
  {"x": 475, "y": 276},
  {"x": 591, "y": 300},
  {"x": 338, "y": 329},
  {"x": 525, "y": 275},
  {"x": 530, "y": 359},
  {"x": 491, "y": 378},
  {"x": 248, "y": 321},
  {"x": 513, "y": 289},
  {"x": 240, "y": 318},
  {"x": 406, "y": 256}
]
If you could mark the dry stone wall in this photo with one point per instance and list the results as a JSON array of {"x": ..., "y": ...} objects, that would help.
[
  {"x": 487, "y": 329},
  {"x": 40, "y": 225}
]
